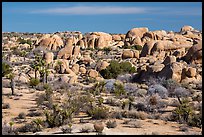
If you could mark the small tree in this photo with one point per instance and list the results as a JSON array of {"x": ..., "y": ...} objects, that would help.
[{"x": 12, "y": 83}]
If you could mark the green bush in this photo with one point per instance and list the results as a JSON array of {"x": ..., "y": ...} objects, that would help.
[
  {"x": 98, "y": 113},
  {"x": 22, "y": 41},
  {"x": 58, "y": 116},
  {"x": 34, "y": 82},
  {"x": 6, "y": 69},
  {"x": 183, "y": 112},
  {"x": 135, "y": 47},
  {"x": 115, "y": 68},
  {"x": 119, "y": 89}
]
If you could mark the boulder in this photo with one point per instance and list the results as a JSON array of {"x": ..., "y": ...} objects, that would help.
[
  {"x": 191, "y": 72},
  {"x": 194, "y": 54},
  {"x": 127, "y": 53},
  {"x": 136, "y": 54},
  {"x": 147, "y": 48},
  {"x": 75, "y": 68},
  {"x": 133, "y": 33},
  {"x": 93, "y": 73},
  {"x": 82, "y": 70},
  {"x": 116, "y": 37},
  {"x": 76, "y": 51},
  {"x": 172, "y": 71},
  {"x": 53, "y": 42},
  {"x": 186, "y": 28},
  {"x": 137, "y": 41},
  {"x": 49, "y": 56},
  {"x": 73, "y": 80},
  {"x": 65, "y": 53},
  {"x": 169, "y": 60},
  {"x": 102, "y": 65}
]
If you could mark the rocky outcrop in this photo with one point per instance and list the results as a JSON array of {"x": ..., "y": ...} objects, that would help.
[{"x": 53, "y": 42}]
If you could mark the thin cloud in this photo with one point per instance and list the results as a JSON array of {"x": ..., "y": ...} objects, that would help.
[{"x": 95, "y": 10}]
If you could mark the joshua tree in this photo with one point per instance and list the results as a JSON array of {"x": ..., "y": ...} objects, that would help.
[{"x": 12, "y": 83}]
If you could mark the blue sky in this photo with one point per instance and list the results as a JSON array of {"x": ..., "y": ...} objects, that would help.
[{"x": 111, "y": 17}]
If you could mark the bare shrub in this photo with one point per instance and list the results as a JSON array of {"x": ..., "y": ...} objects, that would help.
[
  {"x": 67, "y": 129},
  {"x": 22, "y": 115},
  {"x": 162, "y": 91},
  {"x": 136, "y": 124},
  {"x": 9, "y": 129},
  {"x": 85, "y": 129},
  {"x": 6, "y": 106},
  {"x": 111, "y": 124}
]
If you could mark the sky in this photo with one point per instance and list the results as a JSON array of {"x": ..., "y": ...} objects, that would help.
[{"x": 110, "y": 17}]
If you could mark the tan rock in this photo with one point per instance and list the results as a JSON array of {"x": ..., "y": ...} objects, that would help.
[
  {"x": 49, "y": 56},
  {"x": 146, "y": 50},
  {"x": 93, "y": 73},
  {"x": 102, "y": 65},
  {"x": 187, "y": 28},
  {"x": 136, "y": 54},
  {"x": 82, "y": 70},
  {"x": 65, "y": 53},
  {"x": 116, "y": 37},
  {"x": 73, "y": 80},
  {"x": 191, "y": 72},
  {"x": 127, "y": 54},
  {"x": 76, "y": 51},
  {"x": 75, "y": 68},
  {"x": 169, "y": 60},
  {"x": 133, "y": 33},
  {"x": 137, "y": 41}
]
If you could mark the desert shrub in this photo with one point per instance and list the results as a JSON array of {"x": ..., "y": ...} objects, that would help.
[
  {"x": 6, "y": 69},
  {"x": 115, "y": 68},
  {"x": 22, "y": 41},
  {"x": 181, "y": 92},
  {"x": 98, "y": 112},
  {"x": 9, "y": 129},
  {"x": 119, "y": 89},
  {"x": 174, "y": 103},
  {"x": 22, "y": 115},
  {"x": 124, "y": 78},
  {"x": 135, "y": 47},
  {"x": 34, "y": 82},
  {"x": 85, "y": 129},
  {"x": 183, "y": 128},
  {"x": 67, "y": 129},
  {"x": 6, "y": 106},
  {"x": 112, "y": 102},
  {"x": 107, "y": 50},
  {"x": 109, "y": 85},
  {"x": 195, "y": 120},
  {"x": 183, "y": 111},
  {"x": 58, "y": 116},
  {"x": 81, "y": 120},
  {"x": 100, "y": 100},
  {"x": 153, "y": 100},
  {"x": 140, "y": 106},
  {"x": 198, "y": 98},
  {"x": 130, "y": 87},
  {"x": 30, "y": 127},
  {"x": 34, "y": 114},
  {"x": 98, "y": 88},
  {"x": 111, "y": 124},
  {"x": 162, "y": 91},
  {"x": 170, "y": 85},
  {"x": 135, "y": 124},
  {"x": 116, "y": 114},
  {"x": 135, "y": 114}
]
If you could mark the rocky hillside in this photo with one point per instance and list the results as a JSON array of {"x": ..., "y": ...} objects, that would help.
[{"x": 141, "y": 61}]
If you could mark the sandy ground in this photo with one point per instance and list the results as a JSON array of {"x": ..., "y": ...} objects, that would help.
[{"x": 27, "y": 101}]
